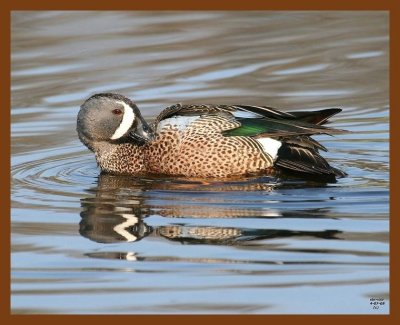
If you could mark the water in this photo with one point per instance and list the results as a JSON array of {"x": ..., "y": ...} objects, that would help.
[{"x": 89, "y": 243}]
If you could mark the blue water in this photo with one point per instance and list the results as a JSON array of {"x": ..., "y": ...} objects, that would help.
[{"x": 87, "y": 243}]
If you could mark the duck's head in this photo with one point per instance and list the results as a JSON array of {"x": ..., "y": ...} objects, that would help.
[{"x": 111, "y": 118}]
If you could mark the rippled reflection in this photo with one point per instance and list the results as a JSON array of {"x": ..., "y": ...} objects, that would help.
[{"x": 121, "y": 204}]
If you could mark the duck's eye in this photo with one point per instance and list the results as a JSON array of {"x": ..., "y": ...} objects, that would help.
[{"x": 117, "y": 111}]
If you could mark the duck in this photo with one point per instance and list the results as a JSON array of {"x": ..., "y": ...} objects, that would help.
[{"x": 205, "y": 141}]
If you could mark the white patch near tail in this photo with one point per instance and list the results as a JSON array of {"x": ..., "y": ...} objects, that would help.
[
  {"x": 126, "y": 123},
  {"x": 178, "y": 122},
  {"x": 270, "y": 146}
]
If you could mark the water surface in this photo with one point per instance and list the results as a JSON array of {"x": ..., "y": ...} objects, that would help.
[{"x": 83, "y": 242}]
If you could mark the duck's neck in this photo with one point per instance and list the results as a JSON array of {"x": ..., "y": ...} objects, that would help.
[{"x": 122, "y": 158}]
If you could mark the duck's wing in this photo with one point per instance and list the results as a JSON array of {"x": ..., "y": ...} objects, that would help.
[
  {"x": 261, "y": 121},
  {"x": 248, "y": 111},
  {"x": 313, "y": 117},
  {"x": 278, "y": 128},
  {"x": 236, "y": 110},
  {"x": 316, "y": 117}
]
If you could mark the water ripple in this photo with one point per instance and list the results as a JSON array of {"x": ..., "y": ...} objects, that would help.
[{"x": 54, "y": 181}]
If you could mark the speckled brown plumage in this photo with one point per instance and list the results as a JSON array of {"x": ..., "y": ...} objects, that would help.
[
  {"x": 202, "y": 151},
  {"x": 126, "y": 158},
  {"x": 199, "y": 151},
  {"x": 199, "y": 233}
]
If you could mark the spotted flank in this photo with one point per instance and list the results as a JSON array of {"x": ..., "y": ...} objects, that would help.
[{"x": 205, "y": 141}]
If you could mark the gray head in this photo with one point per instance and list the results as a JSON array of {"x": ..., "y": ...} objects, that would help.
[{"x": 111, "y": 118}]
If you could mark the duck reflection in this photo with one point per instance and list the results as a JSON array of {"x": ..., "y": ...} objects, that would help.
[
  {"x": 104, "y": 226},
  {"x": 120, "y": 206},
  {"x": 230, "y": 236}
]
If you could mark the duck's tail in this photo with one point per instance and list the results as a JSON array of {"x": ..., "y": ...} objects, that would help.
[{"x": 306, "y": 162}]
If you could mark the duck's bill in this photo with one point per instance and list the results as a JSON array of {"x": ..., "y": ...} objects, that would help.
[{"x": 142, "y": 133}]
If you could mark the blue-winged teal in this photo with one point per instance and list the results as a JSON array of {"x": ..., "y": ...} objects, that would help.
[{"x": 204, "y": 141}]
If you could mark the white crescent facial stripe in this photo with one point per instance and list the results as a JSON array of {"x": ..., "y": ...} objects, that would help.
[
  {"x": 126, "y": 123},
  {"x": 270, "y": 146}
]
